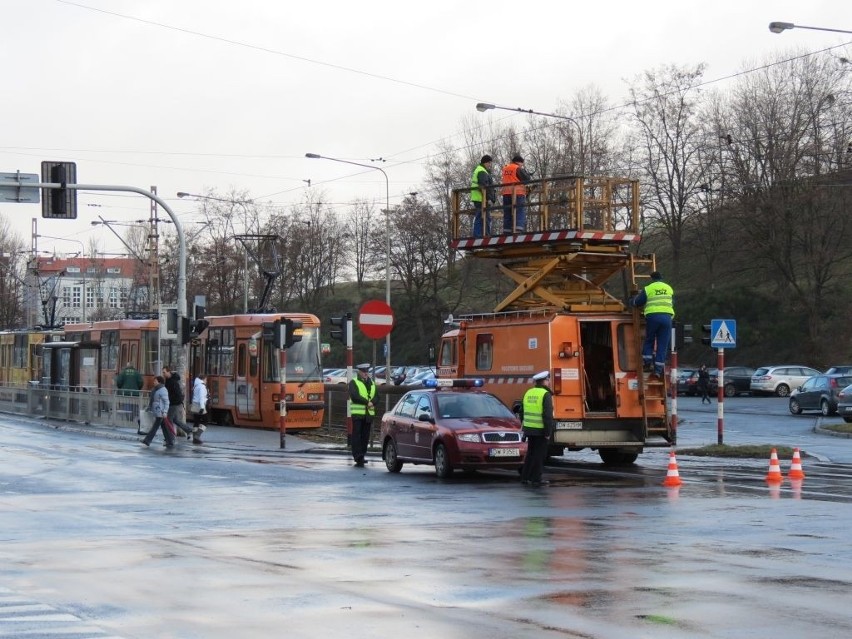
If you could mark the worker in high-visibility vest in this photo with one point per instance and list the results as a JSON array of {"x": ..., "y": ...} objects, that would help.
[
  {"x": 657, "y": 298},
  {"x": 480, "y": 184},
  {"x": 362, "y": 392},
  {"x": 538, "y": 422},
  {"x": 515, "y": 178}
]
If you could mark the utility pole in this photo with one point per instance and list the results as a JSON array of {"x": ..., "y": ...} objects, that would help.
[{"x": 153, "y": 258}]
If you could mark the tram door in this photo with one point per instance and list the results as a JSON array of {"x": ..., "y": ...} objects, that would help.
[{"x": 247, "y": 378}]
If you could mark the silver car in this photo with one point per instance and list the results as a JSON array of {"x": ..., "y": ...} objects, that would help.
[{"x": 780, "y": 380}]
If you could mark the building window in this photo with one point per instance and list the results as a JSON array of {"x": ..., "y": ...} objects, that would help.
[
  {"x": 72, "y": 269},
  {"x": 66, "y": 296},
  {"x": 92, "y": 269},
  {"x": 114, "y": 270},
  {"x": 90, "y": 298},
  {"x": 114, "y": 297},
  {"x": 76, "y": 296}
]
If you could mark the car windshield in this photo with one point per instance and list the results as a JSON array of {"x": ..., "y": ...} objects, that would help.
[{"x": 469, "y": 405}]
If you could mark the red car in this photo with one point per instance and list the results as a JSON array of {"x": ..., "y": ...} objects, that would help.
[{"x": 450, "y": 425}]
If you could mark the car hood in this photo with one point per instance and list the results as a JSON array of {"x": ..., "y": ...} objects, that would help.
[{"x": 482, "y": 423}]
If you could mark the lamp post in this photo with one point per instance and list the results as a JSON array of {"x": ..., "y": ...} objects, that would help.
[
  {"x": 243, "y": 204},
  {"x": 779, "y": 27},
  {"x": 485, "y": 106},
  {"x": 316, "y": 156},
  {"x": 82, "y": 254}
]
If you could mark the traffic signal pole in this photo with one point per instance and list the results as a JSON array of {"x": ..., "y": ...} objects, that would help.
[{"x": 282, "y": 419}]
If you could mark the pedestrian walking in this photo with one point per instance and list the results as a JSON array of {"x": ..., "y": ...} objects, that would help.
[
  {"x": 362, "y": 391},
  {"x": 657, "y": 301},
  {"x": 158, "y": 406},
  {"x": 704, "y": 383},
  {"x": 177, "y": 413},
  {"x": 539, "y": 424},
  {"x": 198, "y": 408},
  {"x": 482, "y": 195},
  {"x": 515, "y": 178}
]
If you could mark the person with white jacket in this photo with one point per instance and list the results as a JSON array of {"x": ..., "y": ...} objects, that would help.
[{"x": 199, "y": 407}]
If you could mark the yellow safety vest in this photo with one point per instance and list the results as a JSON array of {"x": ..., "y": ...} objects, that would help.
[
  {"x": 476, "y": 193},
  {"x": 534, "y": 407},
  {"x": 659, "y": 300},
  {"x": 358, "y": 410}
]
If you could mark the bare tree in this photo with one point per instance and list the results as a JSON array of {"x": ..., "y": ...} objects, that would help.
[{"x": 665, "y": 111}]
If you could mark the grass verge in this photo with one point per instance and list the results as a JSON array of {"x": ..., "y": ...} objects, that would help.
[
  {"x": 745, "y": 452},
  {"x": 838, "y": 428}
]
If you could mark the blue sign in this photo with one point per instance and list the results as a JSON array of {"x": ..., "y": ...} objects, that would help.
[{"x": 723, "y": 333}]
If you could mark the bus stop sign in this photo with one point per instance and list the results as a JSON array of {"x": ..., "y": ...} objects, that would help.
[{"x": 375, "y": 319}]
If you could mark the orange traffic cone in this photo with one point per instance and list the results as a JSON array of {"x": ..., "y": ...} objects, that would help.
[
  {"x": 672, "y": 476},
  {"x": 796, "y": 471},
  {"x": 774, "y": 475}
]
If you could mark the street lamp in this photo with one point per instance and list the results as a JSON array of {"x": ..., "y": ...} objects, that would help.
[
  {"x": 485, "y": 106},
  {"x": 243, "y": 204},
  {"x": 778, "y": 27},
  {"x": 316, "y": 156}
]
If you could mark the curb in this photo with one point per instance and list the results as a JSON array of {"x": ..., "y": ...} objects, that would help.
[{"x": 818, "y": 428}]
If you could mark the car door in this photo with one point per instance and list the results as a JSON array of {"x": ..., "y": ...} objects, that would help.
[
  {"x": 810, "y": 392},
  {"x": 424, "y": 427},
  {"x": 401, "y": 425}
]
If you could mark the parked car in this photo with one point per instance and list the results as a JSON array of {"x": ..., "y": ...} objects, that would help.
[
  {"x": 688, "y": 384},
  {"x": 335, "y": 376},
  {"x": 407, "y": 372},
  {"x": 839, "y": 370},
  {"x": 420, "y": 378},
  {"x": 844, "y": 404},
  {"x": 819, "y": 393},
  {"x": 451, "y": 426},
  {"x": 737, "y": 380},
  {"x": 780, "y": 380},
  {"x": 683, "y": 376}
]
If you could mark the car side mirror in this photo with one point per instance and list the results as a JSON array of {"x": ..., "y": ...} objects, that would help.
[{"x": 425, "y": 417}]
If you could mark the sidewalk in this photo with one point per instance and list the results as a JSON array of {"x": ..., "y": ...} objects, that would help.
[{"x": 215, "y": 437}]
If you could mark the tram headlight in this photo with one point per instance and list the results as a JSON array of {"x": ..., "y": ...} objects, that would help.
[{"x": 314, "y": 397}]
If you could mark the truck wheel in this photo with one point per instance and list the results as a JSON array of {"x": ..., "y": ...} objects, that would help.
[
  {"x": 555, "y": 451},
  {"x": 614, "y": 457}
]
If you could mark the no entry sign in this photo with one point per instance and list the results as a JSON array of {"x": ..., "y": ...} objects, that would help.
[{"x": 375, "y": 318}]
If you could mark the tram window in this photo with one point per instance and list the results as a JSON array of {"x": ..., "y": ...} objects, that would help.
[
  {"x": 134, "y": 353},
  {"x": 253, "y": 365},
  {"x": 124, "y": 356},
  {"x": 109, "y": 341},
  {"x": 241, "y": 361},
  {"x": 150, "y": 363}
]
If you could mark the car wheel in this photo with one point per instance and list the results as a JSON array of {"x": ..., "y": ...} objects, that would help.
[
  {"x": 443, "y": 468},
  {"x": 795, "y": 407},
  {"x": 730, "y": 391},
  {"x": 825, "y": 408},
  {"x": 783, "y": 390},
  {"x": 391, "y": 457}
]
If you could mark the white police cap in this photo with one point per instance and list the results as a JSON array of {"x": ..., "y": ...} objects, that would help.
[
  {"x": 363, "y": 367},
  {"x": 540, "y": 376}
]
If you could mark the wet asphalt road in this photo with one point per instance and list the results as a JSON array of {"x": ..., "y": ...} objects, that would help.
[{"x": 103, "y": 538}]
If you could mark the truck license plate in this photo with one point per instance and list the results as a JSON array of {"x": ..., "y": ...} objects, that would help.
[
  {"x": 505, "y": 452},
  {"x": 569, "y": 425}
]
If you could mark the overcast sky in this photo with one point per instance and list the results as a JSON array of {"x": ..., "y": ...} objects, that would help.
[{"x": 189, "y": 95}]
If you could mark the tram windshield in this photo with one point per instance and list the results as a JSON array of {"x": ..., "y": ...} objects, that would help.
[{"x": 303, "y": 359}]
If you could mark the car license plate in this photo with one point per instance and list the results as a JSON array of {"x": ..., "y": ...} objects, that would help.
[
  {"x": 569, "y": 425},
  {"x": 505, "y": 452}
]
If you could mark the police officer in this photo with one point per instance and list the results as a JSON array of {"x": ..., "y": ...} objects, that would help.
[
  {"x": 538, "y": 424},
  {"x": 658, "y": 301},
  {"x": 481, "y": 182},
  {"x": 362, "y": 391}
]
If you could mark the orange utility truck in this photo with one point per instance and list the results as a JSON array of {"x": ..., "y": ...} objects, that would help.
[{"x": 562, "y": 317}]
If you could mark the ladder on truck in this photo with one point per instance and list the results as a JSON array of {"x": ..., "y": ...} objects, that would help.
[{"x": 577, "y": 236}]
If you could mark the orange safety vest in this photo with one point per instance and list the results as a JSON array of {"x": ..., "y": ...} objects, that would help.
[{"x": 511, "y": 182}]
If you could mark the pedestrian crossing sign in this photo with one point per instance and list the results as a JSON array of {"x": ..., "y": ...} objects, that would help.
[{"x": 723, "y": 333}]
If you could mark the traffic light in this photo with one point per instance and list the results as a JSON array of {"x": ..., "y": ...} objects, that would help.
[
  {"x": 705, "y": 328},
  {"x": 269, "y": 331},
  {"x": 290, "y": 328},
  {"x": 185, "y": 330},
  {"x": 339, "y": 333},
  {"x": 683, "y": 334},
  {"x": 59, "y": 203}
]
